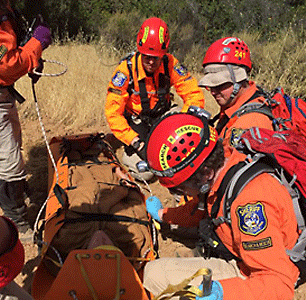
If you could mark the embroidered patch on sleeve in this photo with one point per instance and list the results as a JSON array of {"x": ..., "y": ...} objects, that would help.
[
  {"x": 257, "y": 245},
  {"x": 119, "y": 79},
  {"x": 235, "y": 135},
  {"x": 180, "y": 69},
  {"x": 115, "y": 91},
  {"x": 252, "y": 219},
  {"x": 3, "y": 50}
]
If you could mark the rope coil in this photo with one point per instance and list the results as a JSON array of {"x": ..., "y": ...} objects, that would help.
[{"x": 54, "y": 74}]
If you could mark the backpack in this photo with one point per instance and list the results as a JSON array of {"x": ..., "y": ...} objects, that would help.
[
  {"x": 281, "y": 153},
  {"x": 286, "y": 112}
]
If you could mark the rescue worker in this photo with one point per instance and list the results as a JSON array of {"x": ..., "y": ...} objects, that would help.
[
  {"x": 15, "y": 61},
  {"x": 139, "y": 91},
  {"x": 248, "y": 259},
  {"x": 227, "y": 64},
  {"x": 11, "y": 261}
]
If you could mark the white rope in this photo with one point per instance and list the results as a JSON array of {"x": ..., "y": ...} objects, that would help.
[
  {"x": 46, "y": 141},
  {"x": 45, "y": 135},
  {"x": 52, "y": 160},
  {"x": 54, "y": 74}
]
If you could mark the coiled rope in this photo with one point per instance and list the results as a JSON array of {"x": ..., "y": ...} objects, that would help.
[{"x": 54, "y": 74}]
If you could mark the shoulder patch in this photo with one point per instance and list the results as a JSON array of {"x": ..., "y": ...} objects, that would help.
[
  {"x": 180, "y": 69},
  {"x": 252, "y": 219},
  {"x": 257, "y": 245},
  {"x": 3, "y": 50},
  {"x": 235, "y": 136},
  {"x": 119, "y": 79}
]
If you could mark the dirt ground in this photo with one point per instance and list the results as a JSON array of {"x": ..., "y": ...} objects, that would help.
[{"x": 170, "y": 244}]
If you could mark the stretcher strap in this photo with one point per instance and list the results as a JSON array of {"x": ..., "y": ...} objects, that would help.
[
  {"x": 85, "y": 276},
  {"x": 183, "y": 288},
  {"x": 107, "y": 256},
  {"x": 117, "y": 257}
]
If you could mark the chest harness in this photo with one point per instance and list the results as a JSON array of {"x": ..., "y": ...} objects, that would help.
[{"x": 148, "y": 115}]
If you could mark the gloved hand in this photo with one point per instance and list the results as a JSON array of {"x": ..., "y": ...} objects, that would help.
[
  {"x": 39, "y": 69},
  {"x": 139, "y": 148},
  {"x": 43, "y": 35},
  {"x": 153, "y": 206},
  {"x": 216, "y": 292}
]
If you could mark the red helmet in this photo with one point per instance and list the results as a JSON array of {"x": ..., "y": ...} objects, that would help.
[
  {"x": 230, "y": 50},
  {"x": 11, "y": 262},
  {"x": 153, "y": 37},
  {"x": 178, "y": 145}
]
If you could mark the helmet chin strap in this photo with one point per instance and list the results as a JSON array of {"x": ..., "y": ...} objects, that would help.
[
  {"x": 202, "y": 196},
  {"x": 237, "y": 86},
  {"x": 204, "y": 188}
]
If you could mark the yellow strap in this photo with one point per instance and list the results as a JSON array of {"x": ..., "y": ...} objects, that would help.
[
  {"x": 117, "y": 257},
  {"x": 183, "y": 289},
  {"x": 53, "y": 261},
  {"x": 111, "y": 247},
  {"x": 85, "y": 276},
  {"x": 156, "y": 224},
  {"x": 108, "y": 247}
]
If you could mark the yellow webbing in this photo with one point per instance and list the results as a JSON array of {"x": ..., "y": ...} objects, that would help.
[
  {"x": 85, "y": 276},
  {"x": 183, "y": 288},
  {"x": 117, "y": 257}
]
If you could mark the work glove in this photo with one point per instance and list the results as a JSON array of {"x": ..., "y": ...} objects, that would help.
[
  {"x": 139, "y": 148},
  {"x": 39, "y": 69},
  {"x": 153, "y": 206},
  {"x": 43, "y": 35},
  {"x": 216, "y": 292}
]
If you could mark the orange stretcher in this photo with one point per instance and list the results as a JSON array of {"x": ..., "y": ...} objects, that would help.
[{"x": 103, "y": 272}]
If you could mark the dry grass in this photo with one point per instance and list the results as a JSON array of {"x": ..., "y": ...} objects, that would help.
[
  {"x": 74, "y": 102},
  {"x": 280, "y": 62}
]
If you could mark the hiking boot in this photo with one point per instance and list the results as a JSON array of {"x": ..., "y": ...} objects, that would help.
[{"x": 26, "y": 234}]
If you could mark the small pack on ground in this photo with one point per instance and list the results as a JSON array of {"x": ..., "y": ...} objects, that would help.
[
  {"x": 281, "y": 153},
  {"x": 96, "y": 236},
  {"x": 286, "y": 112}
]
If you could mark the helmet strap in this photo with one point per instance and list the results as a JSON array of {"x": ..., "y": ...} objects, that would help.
[
  {"x": 205, "y": 188},
  {"x": 237, "y": 86}
]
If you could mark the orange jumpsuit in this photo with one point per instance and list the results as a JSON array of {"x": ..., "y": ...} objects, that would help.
[
  {"x": 118, "y": 99},
  {"x": 269, "y": 272},
  {"x": 234, "y": 127},
  {"x": 16, "y": 61}
]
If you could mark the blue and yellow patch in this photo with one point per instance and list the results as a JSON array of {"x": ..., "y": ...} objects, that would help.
[
  {"x": 3, "y": 50},
  {"x": 119, "y": 79},
  {"x": 252, "y": 219},
  {"x": 180, "y": 69},
  {"x": 235, "y": 136}
]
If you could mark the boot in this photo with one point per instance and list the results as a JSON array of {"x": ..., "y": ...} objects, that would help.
[{"x": 12, "y": 202}]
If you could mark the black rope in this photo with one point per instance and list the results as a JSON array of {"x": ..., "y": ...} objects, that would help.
[{"x": 89, "y": 217}]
